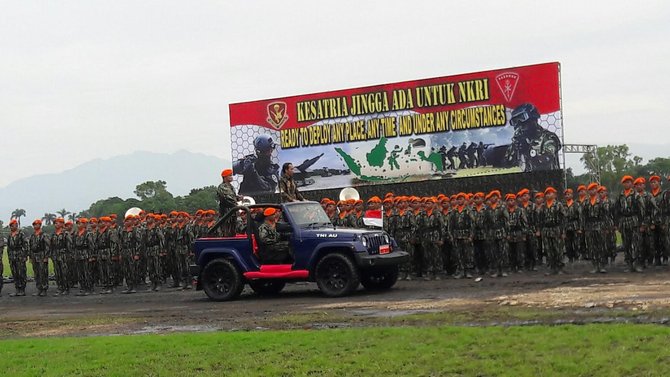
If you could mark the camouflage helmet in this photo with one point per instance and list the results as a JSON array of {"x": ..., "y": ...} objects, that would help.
[
  {"x": 523, "y": 113},
  {"x": 264, "y": 143}
]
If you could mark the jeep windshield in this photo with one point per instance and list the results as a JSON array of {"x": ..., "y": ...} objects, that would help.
[{"x": 309, "y": 215}]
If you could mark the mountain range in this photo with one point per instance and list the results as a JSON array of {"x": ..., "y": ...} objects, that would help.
[{"x": 77, "y": 188}]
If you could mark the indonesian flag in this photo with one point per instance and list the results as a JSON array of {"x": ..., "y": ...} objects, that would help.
[{"x": 373, "y": 218}]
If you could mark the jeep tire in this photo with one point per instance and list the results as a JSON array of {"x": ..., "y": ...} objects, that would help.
[
  {"x": 336, "y": 275},
  {"x": 221, "y": 280},
  {"x": 267, "y": 287},
  {"x": 379, "y": 279}
]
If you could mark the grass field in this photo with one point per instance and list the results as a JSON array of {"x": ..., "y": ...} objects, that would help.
[{"x": 589, "y": 350}]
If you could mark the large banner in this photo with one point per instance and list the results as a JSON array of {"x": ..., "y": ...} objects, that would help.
[{"x": 494, "y": 122}]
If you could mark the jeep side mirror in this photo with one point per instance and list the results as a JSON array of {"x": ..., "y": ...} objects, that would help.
[{"x": 283, "y": 227}]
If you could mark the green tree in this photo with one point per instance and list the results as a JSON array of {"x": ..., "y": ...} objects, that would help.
[
  {"x": 49, "y": 218},
  {"x": 155, "y": 197},
  {"x": 63, "y": 212},
  {"x": 201, "y": 198},
  {"x": 18, "y": 214},
  {"x": 612, "y": 161}
]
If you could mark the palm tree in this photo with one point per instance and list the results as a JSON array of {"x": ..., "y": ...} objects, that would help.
[
  {"x": 73, "y": 216},
  {"x": 49, "y": 218},
  {"x": 18, "y": 214},
  {"x": 63, "y": 212}
]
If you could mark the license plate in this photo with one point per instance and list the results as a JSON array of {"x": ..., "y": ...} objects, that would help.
[{"x": 384, "y": 249}]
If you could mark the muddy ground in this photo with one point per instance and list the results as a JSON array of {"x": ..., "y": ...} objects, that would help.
[{"x": 524, "y": 298}]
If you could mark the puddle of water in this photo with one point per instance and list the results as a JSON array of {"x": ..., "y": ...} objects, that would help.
[{"x": 175, "y": 328}]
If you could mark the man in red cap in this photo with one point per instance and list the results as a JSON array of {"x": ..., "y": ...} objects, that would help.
[
  {"x": 430, "y": 226},
  {"x": 609, "y": 231},
  {"x": 650, "y": 212},
  {"x": 661, "y": 233},
  {"x": 629, "y": 210},
  {"x": 517, "y": 226},
  {"x": 227, "y": 200},
  {"x": 39, "y": 256},
  {"x": 573, "y": 227},
  {"x": 480, "y": 236},
  {"x": 461, "y": 224},
  {"x": 526, "y": 205},
  {"x": 61, "y": 244},
  {"x": 552, "y": 226},
  {"x": 595, "y": 218},
  {"x": 404, "y": 224},
  {"x": 538, "y": 205},
  {"x": 498, "y": 253},
  {"x": 272, "y": 249},
  {"x": 17, "y": 248}
]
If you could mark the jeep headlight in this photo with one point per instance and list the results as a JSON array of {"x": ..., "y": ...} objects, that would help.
[
  {"x": 387, "y": 239},
  {"x": 364, "y": 241}
]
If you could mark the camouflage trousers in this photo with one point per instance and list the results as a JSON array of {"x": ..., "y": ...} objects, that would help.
[
  {"x": 481, "y": 261},
  {"x": 531, "y": 257},
  {"x": 183, "y": 267},
  {"x": 131, "y": 268},
  {"x": 84, "y": 275},
  {"x": 406, "y": 245},
  {"x": 449, "y": 259},
  {"x": 17, "y": 265},
  {"x": 517, "y": 255},
  {"x": 62, "y": 272},
  {"x": 117, "y": 274},
  {"x": 553, "y": 247},
  {"x": 498, "y": 254},
  {"x": 630, "y": 236},
  {"x": 660, "y": 243},
  {"x": 72, "y": 270},
  {"x": 463, "y": 251},
  {"x": 41, "y": 273},
  {"x": 595, "y": 246},
  {"x": 432, "y": 257},
  {"x": 154, "y": 268},
  {"x": 572, "y": 245},
  {"x": 105, "y": 271},
  {"x": 173, "y": 266}
]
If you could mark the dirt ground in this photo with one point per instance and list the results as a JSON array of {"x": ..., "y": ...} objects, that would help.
[{"x": 523, "y": 298}]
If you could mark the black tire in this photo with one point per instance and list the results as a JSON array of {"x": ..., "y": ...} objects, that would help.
[
  {"x": 221, "y": 280},
  {"x": 336, "y": 275},
  {"x": 379, "y": 279},
  {"x": 267, "y": 287}
]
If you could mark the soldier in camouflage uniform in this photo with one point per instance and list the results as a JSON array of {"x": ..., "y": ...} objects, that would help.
[
  {"x": 183, "y": 242},
  {"x": 595, "y": 220},
  {"x": 72, "y": 265},
  {"x": 404, "y": 230},
  {"x": 94, "y": 255},
  {"x": 105, "y": 243},
  {"x": 272, "y": 250},
  {"x": 117, "y": 267},
  {"x": 657, "y": 229},
  {"x": 416, "y": 206},
  {"x": 609, "y": 232},
  {"x": 650, "y": 211},
  {"x": 227, "y": 200},
  {"x": 357, "y": 215},
  {"x": 573, "y": 227},
  {"x": 497, "y": 222},
  {"x": 664, "y": 208},
  {"x": 480, "y": 237},
  {"x": 448, "y": 256},
  {"x": 461, "y": 226},
  {"x": 17, "y": 251},
  {"x": 130, "y": 256},
  {"x": 170, "y": 233},
  {"x": 430, "y": 227},
  {"x": 581, "y": 250},
  {"x": 39, "y": 256},
  {"x": 83, "y": 245},
  {"x": 537, "y": 206},
  {"x": 552, "y": 228},
  {"x": 155, "y": 242},
  {"x": 530, "y": 255},
  {"x": 629, "y": 209},
  {"x": 61, "y": 248},
  {"x": 517, "y": 226},
  {"x": 387, "y": 216}
]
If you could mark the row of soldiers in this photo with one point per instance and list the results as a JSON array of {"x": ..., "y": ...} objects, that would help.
[
  {"x": 496, "y": 234},
  {"x": 101, "y": 252}
]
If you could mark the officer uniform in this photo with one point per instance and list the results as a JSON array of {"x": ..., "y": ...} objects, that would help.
[
  {"x": 573, "y": 228},
  {"x": 39, "y": 254},
  {"x": 517, "y": 227},
  {"x": 17, "y": 251},
  {"x": 629, "y": 209},
  {"x": 595, "y": 220},
  {"x": 429, "y": 224},
  {"x": 61, "y": 247},
  {"x": 227, "y": 200},
  {"x": 461, "y": 227},
  {"x": 552, "y": 227},
  {"x": 273, "y": 250},
  {"x": 83, "y": 251}
]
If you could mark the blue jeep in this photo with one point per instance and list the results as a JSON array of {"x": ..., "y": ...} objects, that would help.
[{"x": 337, "y": 259}]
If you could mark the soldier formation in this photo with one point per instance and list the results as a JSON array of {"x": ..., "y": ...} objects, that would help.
[
  {"x": 96, "y": 255},
  {"x": 496, "y": 234}
]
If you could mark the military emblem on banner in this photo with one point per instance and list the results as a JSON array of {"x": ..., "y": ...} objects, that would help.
[
  {"x": 507, "y": 83},
  {"x": 277, "y": 114}
]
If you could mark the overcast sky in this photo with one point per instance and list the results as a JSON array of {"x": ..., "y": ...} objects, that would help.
[{"x": 94, "y": 79}]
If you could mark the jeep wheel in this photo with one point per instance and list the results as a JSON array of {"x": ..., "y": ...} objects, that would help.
[
  {"x": 379, "y": 279},
  {"x": 267, "y": 287},
  {"x": 221, "y": 280},
  {"x": 336, "y": 275}
]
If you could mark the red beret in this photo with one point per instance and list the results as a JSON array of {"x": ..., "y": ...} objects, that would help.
[
  {"x": 374, "y": 199},
  {"x": 269, "y": 211},
  {"x": 539, "y": 195},
  {"x": 37, "y": 221},
  {"x": 13, "y": 221},
  {"x": 549, "y": 189},
  {"x": 523, "y": 191},
  {"x": 602, "y": 188},
  {"x": 510, "y": 196},
  {"x": 654, "y": 178},
  {"x": 567, "y": 191},
  {"x": 226, "y": 172},
  {"x": 592, "y": 186},
  {"x": 626, "y": 178},
  {"x": 639, "y": 181}
]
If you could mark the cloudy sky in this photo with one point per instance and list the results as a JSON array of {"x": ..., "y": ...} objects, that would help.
[{"x": 94, "y": 79}]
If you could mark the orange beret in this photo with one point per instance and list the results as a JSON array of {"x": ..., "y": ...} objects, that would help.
[
  {"x": 388, "y": 195},
  {"x": 82, "y": 220},
  {"x": 359, "y": 201},
  {"x": 592, "y": 186},
  {"x": 106, "y": 219},
  {"x": 13, "y": 221},
  {"x": 350, "y": 201},
  {"x": 374, "y": 199},
  {"x": 226, "y": 172},
  {"x": 654, "y": 178},
  {"x": 581, "y": 188},
  {"x": 626, "y": 178},
  {"x": 60, "y": 220},
  {"x": 462, "y": 195},
  {"x": 430, "y": 200},
  {"x": 387, "y": 200},
  {"x": 549, "y": 189},
  {"x": 602, "y": 188},
  {"x": 199, "y": 212},
  {"x": 324, "y": 200},
  {"x": 510, "y": 196},
  {"x": 568, "y": 191},
  {"x": 37, "y": 221},
  {"x": 639, "y": 181},
  {"x": 495, "y": 192},
  {"x": 479, "y": 195},
  {"x": 523, "y": 191},
  {"x": 269, "y": 211},
  {"x": 94, "y": 220},
  {"x": 539, "y": 195},
  {"x": 113, "y": 215}
]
